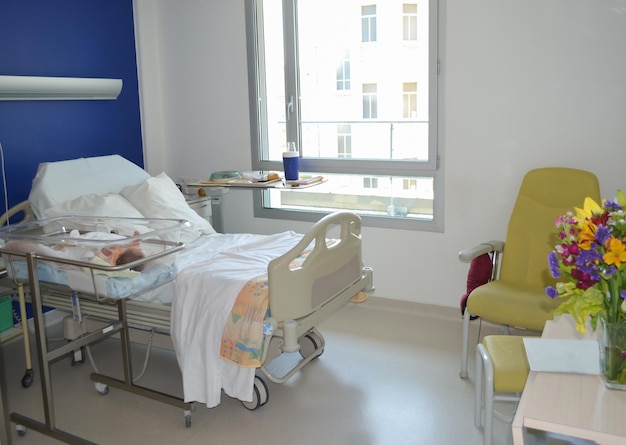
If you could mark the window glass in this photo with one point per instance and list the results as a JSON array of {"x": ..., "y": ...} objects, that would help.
[{"x": 359, "y": 103}]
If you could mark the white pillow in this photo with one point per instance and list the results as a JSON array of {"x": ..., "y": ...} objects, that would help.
[
  {"x": 158, "y": 197},
  {"x": 96, "y": 175},
  {"x": 112, "y": 204}
]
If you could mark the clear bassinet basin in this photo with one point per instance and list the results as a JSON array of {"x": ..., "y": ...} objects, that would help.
[{"x": 113, "y": 257}]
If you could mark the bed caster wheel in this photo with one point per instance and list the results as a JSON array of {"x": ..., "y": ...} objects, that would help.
[
  {"x": 188, "y": 419},
  {"x": 27, "y": 380},
  {"x": 309, "y": 344},
  {"x": 21, "y": 430},
  {"x": 102, "y": 388},
  {"x": 260, "y": 394}
]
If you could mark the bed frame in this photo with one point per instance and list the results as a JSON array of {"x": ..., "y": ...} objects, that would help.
[{"x": 330, "y": 277}]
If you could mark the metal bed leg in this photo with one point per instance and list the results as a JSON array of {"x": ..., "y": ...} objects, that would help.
[
  {"x": 27, "y": 380},
  {"x": 5, "y": 422},
  {"x": 103, "y": 381},
  {"x": 44, "y": 358}
]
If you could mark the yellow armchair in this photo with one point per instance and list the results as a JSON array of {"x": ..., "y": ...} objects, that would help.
[{"x": 516, "y": 295}]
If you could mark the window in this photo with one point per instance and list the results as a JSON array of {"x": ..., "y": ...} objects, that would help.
[
  {"x": 344, "y": 141},
  {"x": 343, "y": 72},
  {"x": 351, "y": 108},
  {"x": 370, "y": 183},
  {"x": 409, "y": 99},
  {"x": 368, "y": 23},
  {"x": 409, "y": 22},
  {"x": 409, "y": 184},
  {"x": 370, "y": 103}
]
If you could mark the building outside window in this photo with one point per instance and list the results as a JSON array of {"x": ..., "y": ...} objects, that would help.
[
  {"x": 409, "y": 99},
  {"x": 409, "y": 22},
  {"x": 370, "y": 183},
  {"x": 409, "y": 184},
  {"x": 360, "y": 104},
  {"x": 343, "y": 71},
  {"x": 370, "y": 101},
  {"x": 344, "y": 141},
  {"x": 368, "y": 23}
]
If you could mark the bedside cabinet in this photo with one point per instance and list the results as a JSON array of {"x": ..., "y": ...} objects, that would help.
[
  {"x": 202, "y": 206},
  {"x": 207, "y": 207}
]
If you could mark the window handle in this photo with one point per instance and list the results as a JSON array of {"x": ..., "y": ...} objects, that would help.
[{"x": 289, "y": 108}]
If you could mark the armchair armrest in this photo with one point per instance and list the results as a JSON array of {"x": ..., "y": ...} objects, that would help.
[{"x": 467, "y": 255}]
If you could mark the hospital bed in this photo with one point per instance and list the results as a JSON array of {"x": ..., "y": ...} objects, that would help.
[{"x": 231, "y": 303}]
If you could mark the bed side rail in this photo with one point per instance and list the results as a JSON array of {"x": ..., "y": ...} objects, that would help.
[
  {"x": 23, "y": 208},
  {"x": 326, "y": 272}
]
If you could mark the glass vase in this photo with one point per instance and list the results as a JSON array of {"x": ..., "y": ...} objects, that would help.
[{"x": 613, "y": 355}]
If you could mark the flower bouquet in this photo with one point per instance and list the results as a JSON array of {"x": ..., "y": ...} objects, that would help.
[{"x": 590, "y": 257}]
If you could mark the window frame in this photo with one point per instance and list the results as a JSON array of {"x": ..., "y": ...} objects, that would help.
[{"x": 433, "y": 168}]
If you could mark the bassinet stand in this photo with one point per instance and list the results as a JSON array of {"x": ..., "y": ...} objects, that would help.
[{"x": 45, "y": 357}]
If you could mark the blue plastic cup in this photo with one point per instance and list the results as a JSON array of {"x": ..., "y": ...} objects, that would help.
[{"x": 291, "y": 164}]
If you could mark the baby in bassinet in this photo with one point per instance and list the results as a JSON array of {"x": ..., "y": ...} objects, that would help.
[{"x": 113, "y": 255}]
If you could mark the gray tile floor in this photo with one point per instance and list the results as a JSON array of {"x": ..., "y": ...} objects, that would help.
[{"x": 388, "y": 375}]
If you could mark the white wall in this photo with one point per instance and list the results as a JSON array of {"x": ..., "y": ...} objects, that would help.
[{"x": 527, "y": 84}]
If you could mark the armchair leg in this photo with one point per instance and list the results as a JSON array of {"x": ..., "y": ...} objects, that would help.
[{"x": 465, "y": 344}]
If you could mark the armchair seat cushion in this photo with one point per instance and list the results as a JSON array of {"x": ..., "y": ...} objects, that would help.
[
  {"x": 513, "y": 305},
  {"x": 510, "y": 365}
]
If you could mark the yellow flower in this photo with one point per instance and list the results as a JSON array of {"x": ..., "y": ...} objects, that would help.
[
  {"x": 616, "y": 253},
  {"x": 590, "y": 208}
]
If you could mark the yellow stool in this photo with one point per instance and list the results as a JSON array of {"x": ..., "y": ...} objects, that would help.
[{"x": 501, "y": 373}]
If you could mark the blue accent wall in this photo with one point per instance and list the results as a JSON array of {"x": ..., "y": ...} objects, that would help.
[{"x": 67, "y": 38}]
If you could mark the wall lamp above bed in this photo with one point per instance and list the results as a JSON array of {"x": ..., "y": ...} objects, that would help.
[{"x": 58, "y": 88}]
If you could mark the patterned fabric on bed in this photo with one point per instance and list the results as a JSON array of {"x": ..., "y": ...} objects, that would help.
[{"x": 242, "y": 340}]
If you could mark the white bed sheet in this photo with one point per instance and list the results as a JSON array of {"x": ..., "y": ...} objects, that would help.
[{"x": 211, "y": 274}]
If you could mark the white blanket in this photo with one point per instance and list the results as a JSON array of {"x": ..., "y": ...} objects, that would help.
[{"x": 213, "y": 273}]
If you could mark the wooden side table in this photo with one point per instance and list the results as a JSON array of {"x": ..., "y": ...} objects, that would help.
[{"x": 574, "y": 405}]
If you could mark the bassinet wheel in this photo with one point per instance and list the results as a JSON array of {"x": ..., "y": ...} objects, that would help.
[
  {"x": 27, "y": 380},
  {"x": 187, "y": 419},
  {"x": 309, "y": 344},
  {"x": 260, "y": 395},
  {"x": 102, "y": 388},
  {"x": 21, "y": 430}
]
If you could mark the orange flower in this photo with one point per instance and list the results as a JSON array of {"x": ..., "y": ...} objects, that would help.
[
  {"x": 587, "y": 234},
  {"x": 616, "y": 253}
]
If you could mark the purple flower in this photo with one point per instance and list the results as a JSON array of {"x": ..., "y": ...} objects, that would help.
[
  {"x": 612, "y": 206},
  {"x": 551, "y": 292},
  {"x": 554, "y": 265},
  {"x": 588, "y": 258},
  {"x": 603, "y": 234},
  {"x": 611, "y": 270}
]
